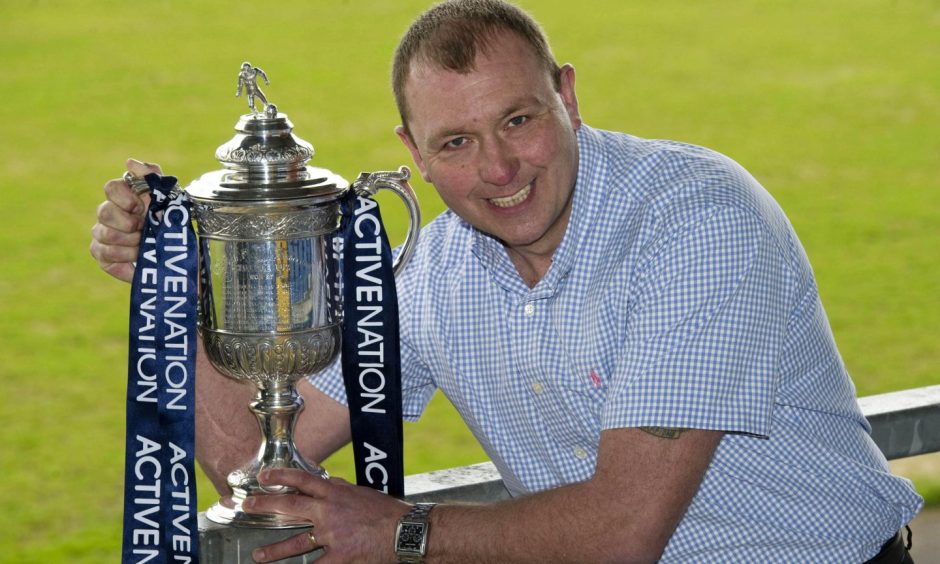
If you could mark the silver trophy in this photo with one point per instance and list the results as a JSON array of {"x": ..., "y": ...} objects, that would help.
[{"x": 270, "y": 304}]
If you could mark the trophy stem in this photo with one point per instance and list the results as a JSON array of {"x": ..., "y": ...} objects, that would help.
[{"x": 276, "y": 406}]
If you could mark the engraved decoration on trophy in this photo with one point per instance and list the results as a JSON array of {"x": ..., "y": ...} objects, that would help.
[{"x": 270, "y": 296}]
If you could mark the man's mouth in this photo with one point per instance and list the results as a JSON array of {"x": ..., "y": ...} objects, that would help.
[{"x": 515, "y": 199}]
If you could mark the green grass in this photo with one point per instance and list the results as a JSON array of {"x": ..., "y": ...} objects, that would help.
[{"x": 834, "y": 106}]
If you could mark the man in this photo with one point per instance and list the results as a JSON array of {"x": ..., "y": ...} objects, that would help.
[{"x": 629, "y": 327}]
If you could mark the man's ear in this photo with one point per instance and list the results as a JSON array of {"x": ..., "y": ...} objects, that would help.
[
  {"x": 413, "y": 149},
  {"x": 568, "y": 96}
]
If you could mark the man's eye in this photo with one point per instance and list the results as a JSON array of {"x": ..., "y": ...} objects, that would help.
[
  {"x": 456, "y": 142},
  {"x": 518, "y": 120}
]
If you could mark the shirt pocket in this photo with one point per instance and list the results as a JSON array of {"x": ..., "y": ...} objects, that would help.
[{"x": 583, "y": 397}]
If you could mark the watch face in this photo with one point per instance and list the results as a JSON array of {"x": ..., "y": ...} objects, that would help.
[{"x": 411, "y": 537}]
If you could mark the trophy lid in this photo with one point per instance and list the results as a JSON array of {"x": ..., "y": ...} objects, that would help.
[{"x": 265, "y": 160}]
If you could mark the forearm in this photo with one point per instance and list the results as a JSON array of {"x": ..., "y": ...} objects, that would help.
[
  {"x": 626, "y": 512},
  {"x": 569, "y": 524},
  {"x": 227, "y": 434}
]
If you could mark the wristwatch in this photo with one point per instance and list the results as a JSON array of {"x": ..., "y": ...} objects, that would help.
[{"x": 411, "y": 536}]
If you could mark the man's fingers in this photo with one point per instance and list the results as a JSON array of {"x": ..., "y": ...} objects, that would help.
[
  {"x": 110, "y": 254},
  {"x": 120, "y": 269},
  {"x": 123, "y": 271},
  {"x": 295, "y": 505},
  {"x": 297, "y": 544},
  {"x": 141, "y": 169},
  {"x": 106, "y": 235},
  {"x": 116, "y": 236},
  {"x": 120, "y": 194},
  {"x": 113, "y": 216},
  {"x": 311, "y": 485}
]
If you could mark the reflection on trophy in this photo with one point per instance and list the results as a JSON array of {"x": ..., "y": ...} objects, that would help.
[{"x": 270, "y": 302}]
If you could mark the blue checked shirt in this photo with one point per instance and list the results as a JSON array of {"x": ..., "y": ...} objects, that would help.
[{"x": 679, "y": 297}]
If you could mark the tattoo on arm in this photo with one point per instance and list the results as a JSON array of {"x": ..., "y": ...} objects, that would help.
[{"x": 663, "y": 432}]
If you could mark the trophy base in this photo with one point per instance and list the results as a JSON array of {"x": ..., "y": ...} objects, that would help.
[{"x": 228, "y": 511}]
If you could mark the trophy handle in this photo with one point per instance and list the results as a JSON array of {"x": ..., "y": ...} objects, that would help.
[{"x": 369, "y": 183}]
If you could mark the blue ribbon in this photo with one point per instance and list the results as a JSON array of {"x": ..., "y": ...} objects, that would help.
[
  {"x": 159, "y": 480},
  {"x": 371, "y": 355}
]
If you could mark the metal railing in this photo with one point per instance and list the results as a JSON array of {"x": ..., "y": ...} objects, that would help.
[{"x": 905, "y": 423}]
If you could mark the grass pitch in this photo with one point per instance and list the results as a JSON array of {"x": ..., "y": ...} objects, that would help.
[{"x": 834, "y": 107}]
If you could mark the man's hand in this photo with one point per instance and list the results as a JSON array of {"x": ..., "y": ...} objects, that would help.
[
  {"x": 351, "y": 523},
  {"x": 116, "y": 236}
]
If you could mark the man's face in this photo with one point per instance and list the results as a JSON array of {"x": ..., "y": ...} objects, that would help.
[{"x": 498, "y": 143}]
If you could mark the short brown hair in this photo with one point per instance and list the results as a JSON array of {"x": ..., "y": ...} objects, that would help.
[{"x": 449, "y": 35}]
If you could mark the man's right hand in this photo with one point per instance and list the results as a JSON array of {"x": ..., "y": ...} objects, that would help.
[{"x": 116, "y": 236}]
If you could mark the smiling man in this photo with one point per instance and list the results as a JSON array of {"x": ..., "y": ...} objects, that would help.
[
  {"x": 629, "y": 327},
  {"x": 500, "y": 147}
]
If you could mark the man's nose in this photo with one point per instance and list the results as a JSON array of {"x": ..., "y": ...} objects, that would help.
[{"x": 498, "y": 163}]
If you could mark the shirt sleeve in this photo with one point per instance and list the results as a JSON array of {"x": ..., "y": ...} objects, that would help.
[
  {"x": 709, "y": 314},
  {"x": 330, "y": 381},
  {"x": 417, "y": 386}
]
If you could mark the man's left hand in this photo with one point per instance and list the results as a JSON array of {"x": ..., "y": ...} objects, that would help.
[{"x": 351, "y": 523}]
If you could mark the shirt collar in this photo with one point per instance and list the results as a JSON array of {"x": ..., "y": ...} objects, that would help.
[{"x": 587, "y": 201}]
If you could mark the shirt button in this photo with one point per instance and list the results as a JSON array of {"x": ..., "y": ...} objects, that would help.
[
  {"x": 529, "y": 310},
  {"x": 580, "y": 453},
  {"x": 538, "y": 387}
]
